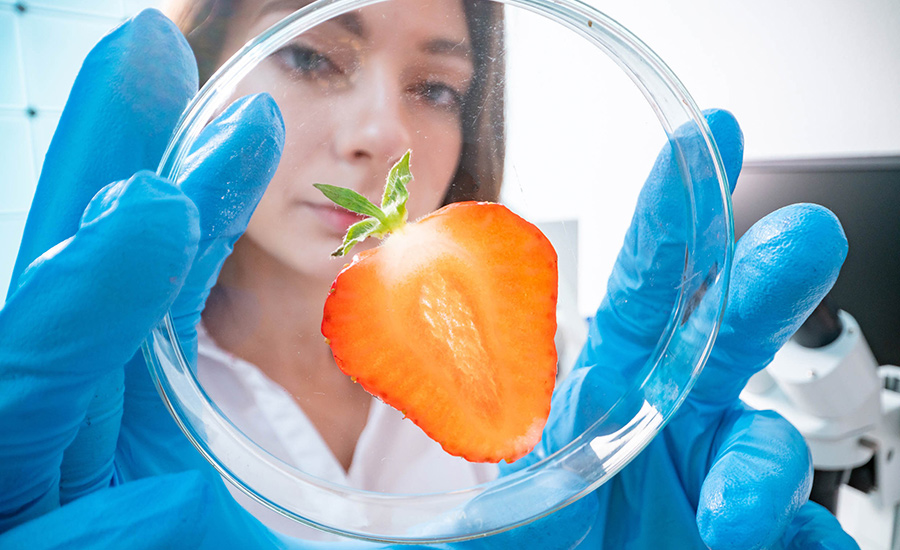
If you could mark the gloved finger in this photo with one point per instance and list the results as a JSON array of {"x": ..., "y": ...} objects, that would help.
[
  {"x": 644, "y": 283},
  {"x": 81, "y": 311},
  {"x": 758, "y": 481},
  {"x": 783, "y": 267},
  {"x": 647, "y": 277},
  {"x": 127, "y": 97},
  {"x": 231, "y": 163},
  {"x": 159, "y": 512},
  {"x": 225, "y": 176},
  {"x": 815, "y": 528}
]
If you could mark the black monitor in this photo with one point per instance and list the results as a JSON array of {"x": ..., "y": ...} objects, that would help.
[{"x": 864, "y": 193}]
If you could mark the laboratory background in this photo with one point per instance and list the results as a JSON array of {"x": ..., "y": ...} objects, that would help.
[{"x": 815, "y": 86}]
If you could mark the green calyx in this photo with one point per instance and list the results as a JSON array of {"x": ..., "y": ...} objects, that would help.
[{"x": 380, "y": 222}]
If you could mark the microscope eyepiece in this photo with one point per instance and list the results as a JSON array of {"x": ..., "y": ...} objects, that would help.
[{"x": 822, "y": 327}]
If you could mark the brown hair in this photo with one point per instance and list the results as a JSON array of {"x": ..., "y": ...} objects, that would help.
[{"x": 480, "y": 171}]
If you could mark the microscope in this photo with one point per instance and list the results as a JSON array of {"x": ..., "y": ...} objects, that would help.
[{"x": 827, "y": 383}]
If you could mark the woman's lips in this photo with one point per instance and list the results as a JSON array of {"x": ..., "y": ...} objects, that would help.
[{"x": 334, "y": 218}]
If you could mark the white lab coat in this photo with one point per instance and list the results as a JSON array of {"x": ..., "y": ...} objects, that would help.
[{"x": 392, "y": 455}]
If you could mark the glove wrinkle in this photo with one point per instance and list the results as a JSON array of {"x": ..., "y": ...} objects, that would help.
[
  {"x": 638, "y": 519},
  {"x": 87, "y": 463}
]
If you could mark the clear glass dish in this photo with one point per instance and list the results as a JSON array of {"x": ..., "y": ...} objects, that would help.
[{"x": 586, "y": 107}]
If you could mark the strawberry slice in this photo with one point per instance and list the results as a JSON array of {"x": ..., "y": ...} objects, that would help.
[{"x": 450, "y": 320}]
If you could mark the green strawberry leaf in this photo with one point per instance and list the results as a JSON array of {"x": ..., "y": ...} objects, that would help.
[
  {"x": 393, "y": 202},
  {"x": 351, "y": 200},
  {"x": 381, "y": 221},
  {"x": 357, "y": 233}
]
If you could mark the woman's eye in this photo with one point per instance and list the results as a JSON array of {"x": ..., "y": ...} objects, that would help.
[
  {"x": 440, "y": 95},
  {"x": 307, "y": 61}
]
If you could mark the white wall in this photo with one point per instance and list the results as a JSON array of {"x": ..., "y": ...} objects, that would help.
[{"x": 806, "y": 78}]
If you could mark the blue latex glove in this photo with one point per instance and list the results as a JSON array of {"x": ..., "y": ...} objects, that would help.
[
  {"x": 78, "y": 412},
  {"x": 78, "y": 313},
  {"x": 719, "y": 475}
]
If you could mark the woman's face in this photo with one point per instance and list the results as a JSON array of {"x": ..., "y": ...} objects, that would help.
[{"x": 356, "y": 93}]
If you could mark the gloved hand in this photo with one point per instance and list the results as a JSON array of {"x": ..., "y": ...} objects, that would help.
[
  {"x": 99, "y": 264},
  {"x": 719, "y": 475}
]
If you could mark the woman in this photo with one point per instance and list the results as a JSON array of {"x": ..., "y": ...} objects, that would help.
[
  {"x": 82, "y": 467},
  {"x": 355, "y": 93}
]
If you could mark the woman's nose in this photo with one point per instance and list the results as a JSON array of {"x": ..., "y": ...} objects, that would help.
[{"x": 374, "y": 125}]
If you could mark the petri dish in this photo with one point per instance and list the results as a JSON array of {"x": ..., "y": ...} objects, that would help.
[{"x": 558, "y": 112}]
